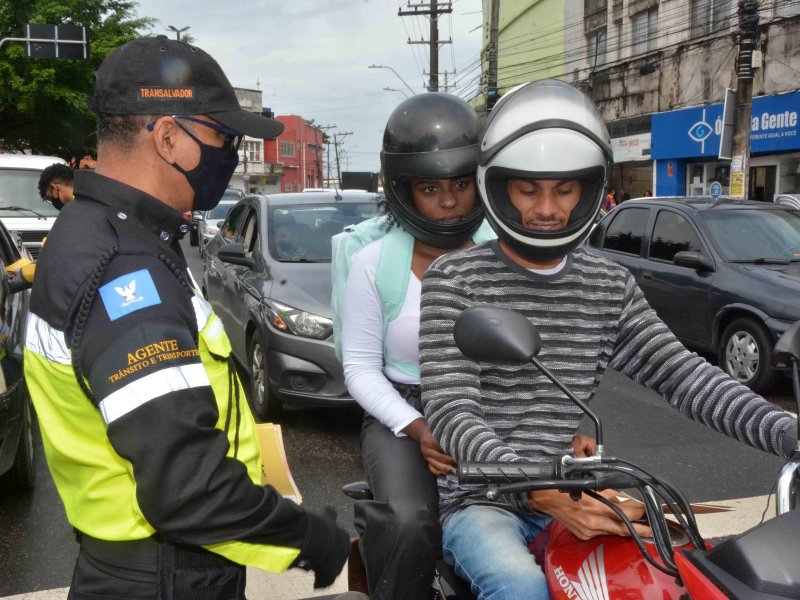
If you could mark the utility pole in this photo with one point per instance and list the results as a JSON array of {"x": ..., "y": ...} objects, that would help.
[
  {"x": 492, "y": 93},
  {"x": 433, "y": 9},
  {"x": 325, "y": 128},
  {"x": 336, "y": 137},
  {"x": 740, "y": 160}
]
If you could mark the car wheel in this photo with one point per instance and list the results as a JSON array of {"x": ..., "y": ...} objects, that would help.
[
  {"x": 745, "y": 353},
  {"x": 20, "y": 476},
  {"x": 193, "y": 237},
  {"x": 266, "y": 405}
]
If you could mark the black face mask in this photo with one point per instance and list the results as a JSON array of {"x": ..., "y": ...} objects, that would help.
[
  {"x": 56, "y": 202},
  {"x": 210, "y": 177}
]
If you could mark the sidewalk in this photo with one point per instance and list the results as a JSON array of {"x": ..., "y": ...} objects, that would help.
[{"x": 292, "y": 585}]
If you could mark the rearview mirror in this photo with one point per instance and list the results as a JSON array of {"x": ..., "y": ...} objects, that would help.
[
  {"x": 492, "y": 334},
  {"x": 694, "y": 260},
  {"x": 234, "y": 254}
]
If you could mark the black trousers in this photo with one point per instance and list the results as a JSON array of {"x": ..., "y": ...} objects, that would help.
[
  {"x": 152, "y": 570},
  {"x": 400, "y": 535}
]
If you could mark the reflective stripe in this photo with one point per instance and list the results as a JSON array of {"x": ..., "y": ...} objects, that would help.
[
  {"x": 202, "y": 311},
  {"x": 153, "y": 386},
  {"x": 42, "y": 338},
  {"x": 214, "y": 329}
]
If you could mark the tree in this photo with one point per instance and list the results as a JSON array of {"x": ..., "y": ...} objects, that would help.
[{"x": 43, "y": 102}]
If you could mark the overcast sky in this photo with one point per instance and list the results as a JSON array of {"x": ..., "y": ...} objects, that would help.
[{"x": 311, "y": 57}]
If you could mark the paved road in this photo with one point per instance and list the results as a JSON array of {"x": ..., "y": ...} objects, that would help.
[{"x": 37, "y": 550}]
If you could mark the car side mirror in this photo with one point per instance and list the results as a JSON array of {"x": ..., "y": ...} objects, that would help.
[
  {"x": 694, "y": 260},
  {"x": 787, "y": 347},
  {"x": 235, "y": 255}
]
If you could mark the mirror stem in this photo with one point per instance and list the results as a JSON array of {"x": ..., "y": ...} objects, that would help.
[
  {"x": 796, "y": 388},
  {"x": 598, "y": 427}
]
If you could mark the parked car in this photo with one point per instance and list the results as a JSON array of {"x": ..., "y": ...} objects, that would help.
[
  {"x": 21, "y": 207},
  {"x": 724, "y": 275},
  {"x": 16, "y": 411},
  {"x": 231, "y": 195},
  {"x": 267, "y": 275}
]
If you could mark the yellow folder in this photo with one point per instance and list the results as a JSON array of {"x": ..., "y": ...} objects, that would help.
[{"x": 274, "y": 466}]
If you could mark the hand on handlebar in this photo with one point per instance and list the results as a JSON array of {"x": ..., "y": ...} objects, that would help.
[
  {"x": 587, "y": 518},
  {"x": 439, "y": 462},
  {"x": 583, "y": 445}
]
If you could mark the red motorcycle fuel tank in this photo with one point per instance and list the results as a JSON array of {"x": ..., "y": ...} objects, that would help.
[{"x": 606, "y": 568}]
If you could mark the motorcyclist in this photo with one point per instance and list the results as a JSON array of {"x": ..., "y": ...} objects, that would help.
[{"x": 544, "y": 163}]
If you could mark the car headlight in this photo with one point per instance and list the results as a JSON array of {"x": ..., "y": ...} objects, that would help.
[{"x": 298, "y": 322}]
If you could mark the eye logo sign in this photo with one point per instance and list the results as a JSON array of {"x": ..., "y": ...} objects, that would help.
[
  {"x": 700, "y": 131},
  {"x": 129, "y": 293}
]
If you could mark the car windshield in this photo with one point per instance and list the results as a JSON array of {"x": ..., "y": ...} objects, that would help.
[
  {"x": 219, "y": 212},
  {"x": 19, "y": 190},
  {"x": 755, "y": 235},
  {"x": 302, "y": 233}
]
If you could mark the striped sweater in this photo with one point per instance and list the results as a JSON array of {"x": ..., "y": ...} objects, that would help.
[{"x": 591, "y": 315}]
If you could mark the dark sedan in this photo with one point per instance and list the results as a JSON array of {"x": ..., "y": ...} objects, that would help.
[
  {"x": 267, "y": 275},
  {"x": 16, "y": 412},
  {"x": 724, "y": 275}
]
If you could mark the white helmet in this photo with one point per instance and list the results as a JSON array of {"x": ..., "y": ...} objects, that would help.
[{"x": 543, "y": 130}]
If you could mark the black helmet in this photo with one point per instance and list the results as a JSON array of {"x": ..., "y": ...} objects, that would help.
[
  {"x": 543, "y": 130},
  {"x": 430, "y": 136}
]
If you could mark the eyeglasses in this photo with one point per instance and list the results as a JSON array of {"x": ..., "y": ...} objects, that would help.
[{"x": 232, "y": 138}]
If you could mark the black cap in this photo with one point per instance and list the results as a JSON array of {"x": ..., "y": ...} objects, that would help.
[{"x": 159, "y": 76}]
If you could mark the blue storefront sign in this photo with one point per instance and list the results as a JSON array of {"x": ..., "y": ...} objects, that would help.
[{"x": 695, "y": 132}]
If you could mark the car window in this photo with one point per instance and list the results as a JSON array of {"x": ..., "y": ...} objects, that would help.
[
  {"x": 233, "y": 221},
  {"x": 626, "y": 232},
  {"x": 304, "y": 231},
  {"x": 219, "y": 212},
  {"x": 752, "y": 235},
  {"x": 672, "y": 233},
  {"x": 20, "y": 187}
]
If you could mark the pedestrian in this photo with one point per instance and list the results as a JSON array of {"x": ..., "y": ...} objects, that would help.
[
  {"x": 146, "y": 428},
  {"x": 648, "y": 194},
  {"x": 610, "y": 200},
  {"x": 542, "y": 185},
  {"x": 55, "y": 184}
]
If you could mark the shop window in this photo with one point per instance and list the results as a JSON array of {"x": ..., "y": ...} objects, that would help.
[
  {"x": 645, "y": 29},
  {"x": 762, "y": 183},
  {"x": 626, "y": 231},
  {"x": 672, "y": 234},
  {"x": 710, "y": 16}
]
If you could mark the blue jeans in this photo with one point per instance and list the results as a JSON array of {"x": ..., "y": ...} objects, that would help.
[{"x": 488, "y": 547}]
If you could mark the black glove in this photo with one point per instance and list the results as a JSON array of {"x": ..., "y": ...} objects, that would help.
[
  {"x": 789, "y": 441},
  {"x": 326, "y": 548}
]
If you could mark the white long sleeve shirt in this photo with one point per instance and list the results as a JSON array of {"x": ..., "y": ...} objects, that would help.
[{"x": 368, "y": 379}]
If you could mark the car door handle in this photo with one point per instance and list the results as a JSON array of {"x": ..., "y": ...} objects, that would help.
[{"x": 647, "y": 274}]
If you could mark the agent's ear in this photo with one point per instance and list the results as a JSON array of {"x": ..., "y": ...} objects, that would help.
[{"x": 165, "y": 138}]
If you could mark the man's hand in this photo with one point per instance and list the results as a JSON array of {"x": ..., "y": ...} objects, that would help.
[
  {"x": 583, "y": 445},
  {"x": 588, "y": 518},
  {"x": 439, "y": 462}
]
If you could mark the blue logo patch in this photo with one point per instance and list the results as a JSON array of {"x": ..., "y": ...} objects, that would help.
[{"x": 129, "y": 293}]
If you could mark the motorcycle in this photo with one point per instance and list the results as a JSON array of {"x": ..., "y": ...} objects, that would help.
[{"x": 762, "y": 563}]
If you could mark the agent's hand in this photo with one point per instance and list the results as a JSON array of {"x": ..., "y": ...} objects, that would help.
[
  {"x": 588, "y": 518},
  {"x": 326, "y": 548},
  {"x": 583, "y": 445},
  {"x": 439, "y": 462}
]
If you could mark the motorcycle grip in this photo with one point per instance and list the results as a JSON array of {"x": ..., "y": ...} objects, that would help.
[{"x": 505, "y": 472}]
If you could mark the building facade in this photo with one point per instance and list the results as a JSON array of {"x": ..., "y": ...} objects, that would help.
[
  {"x": 255, "y": 173},
  {"x": 299, "y": 152},
  {"x": 658, "y": 70}
]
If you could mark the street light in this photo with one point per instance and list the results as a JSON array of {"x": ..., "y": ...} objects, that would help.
[
  {"x": 389, "y": 89},
  {"x": 177, "y": 31},
  {"x": 396, "y": 73}
]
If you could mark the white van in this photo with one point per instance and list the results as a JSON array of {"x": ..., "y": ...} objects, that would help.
[{"x": 21, "y": 208}]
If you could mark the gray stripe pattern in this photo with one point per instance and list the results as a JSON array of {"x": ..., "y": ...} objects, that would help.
[{"x": 591, "y": 316}]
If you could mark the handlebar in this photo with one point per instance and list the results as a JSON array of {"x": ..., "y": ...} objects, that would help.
[{"x": 505, "y": 472}]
